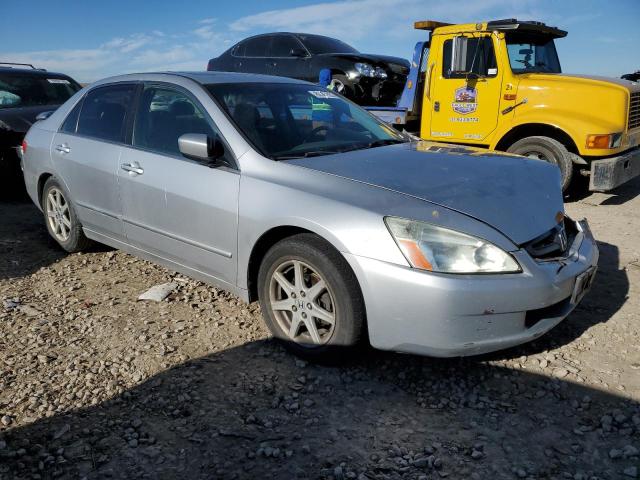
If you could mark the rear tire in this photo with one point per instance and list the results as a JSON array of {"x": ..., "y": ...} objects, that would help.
[
  {"x": 549, "y": 150},
  {"x": 310, "y": 299},
  {"x": 61, "y": 219}
]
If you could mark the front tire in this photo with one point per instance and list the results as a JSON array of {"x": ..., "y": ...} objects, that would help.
[
  {"x": 549, "y": 150},
  {"x": 310, "y": 299},
  {"x": 61, "y": 219}
]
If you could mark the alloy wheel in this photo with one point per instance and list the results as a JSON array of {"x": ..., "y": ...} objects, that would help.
[
  {"x": 302, "y": 303},
  {"x": 58, "y": 214}
]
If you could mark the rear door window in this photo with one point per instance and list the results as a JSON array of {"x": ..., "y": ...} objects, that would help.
[
  {"x": 104, "y": 112},
  {"x": 256, "y": 47},
  {"x": 71, "y": 122},
  {"x": 281, "y": 46}
]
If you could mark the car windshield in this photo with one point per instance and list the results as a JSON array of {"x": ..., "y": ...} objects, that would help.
[
  {"x": 318, "y": 44},
  {"x": 532, "y": 53},
  {"x": 24, "y": 90},
  {"x": 287, "y": 120}
]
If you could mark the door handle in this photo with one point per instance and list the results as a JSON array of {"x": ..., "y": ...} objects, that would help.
[
  {"x": 436, "y": 106},
  {"x": 133, "y": 169},
  {"x": 63, "y": 148}
]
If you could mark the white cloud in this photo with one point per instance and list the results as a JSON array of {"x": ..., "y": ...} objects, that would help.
[
  {"x": 352, "y": 20},
  {"x": 389, "y": 22}
]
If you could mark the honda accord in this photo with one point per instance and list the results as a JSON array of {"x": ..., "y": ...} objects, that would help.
[{"x": 341, "y": 227}]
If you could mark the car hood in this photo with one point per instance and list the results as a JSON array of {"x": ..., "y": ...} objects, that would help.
[
  {"x": 20, "y": 119},
  {"x": 371, "y": 58},
  {"x": 520, "y": 197}
]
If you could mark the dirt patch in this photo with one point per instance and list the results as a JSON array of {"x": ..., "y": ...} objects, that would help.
[{"x": 95, "y": 384}]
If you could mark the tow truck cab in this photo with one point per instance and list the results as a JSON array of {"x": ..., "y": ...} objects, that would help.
[{"x": 499, "y": 85}]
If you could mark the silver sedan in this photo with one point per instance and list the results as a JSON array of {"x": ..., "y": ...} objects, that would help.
[{"x": 343, "y": 228}]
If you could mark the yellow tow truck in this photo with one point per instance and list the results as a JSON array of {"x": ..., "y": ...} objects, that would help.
[{"x": 499, "y": 85}]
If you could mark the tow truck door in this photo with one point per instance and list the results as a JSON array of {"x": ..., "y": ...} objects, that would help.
[{"x": 464, "y": 106}]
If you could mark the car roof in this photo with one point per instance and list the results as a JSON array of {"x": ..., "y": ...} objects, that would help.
[
  {"x": 203, "y": 77},
  {"x": 36, "y": 72}
]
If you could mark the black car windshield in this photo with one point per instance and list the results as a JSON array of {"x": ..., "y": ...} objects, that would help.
[
  {"x": 24, "y": 90},
  {"x": 288, "y": 120},
  {"x": 318, "y": 44},
  {"x": 532, "y": 53}
]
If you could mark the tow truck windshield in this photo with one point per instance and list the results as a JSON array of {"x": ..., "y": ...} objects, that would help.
[
  {"x": 288, "y": 120},
  {"x": 27, "y": 90},
  {"x": 529, "y": 53}
]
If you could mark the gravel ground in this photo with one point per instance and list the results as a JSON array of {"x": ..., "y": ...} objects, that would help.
[{"x": 94, "y": 384}]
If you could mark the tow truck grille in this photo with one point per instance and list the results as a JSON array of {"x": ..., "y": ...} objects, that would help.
[{"x": 634, "y": 110}]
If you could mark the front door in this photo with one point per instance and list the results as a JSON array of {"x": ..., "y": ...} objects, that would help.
[
  {"x": 176, "y": 208},
  {"x": 86, "y": 152},
  {"x": 465, "y": 107}
]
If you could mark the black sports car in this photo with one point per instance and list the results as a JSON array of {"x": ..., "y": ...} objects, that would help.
[
  {"x": 24, "y": 94},
  {"x": 364, "y": 78}
]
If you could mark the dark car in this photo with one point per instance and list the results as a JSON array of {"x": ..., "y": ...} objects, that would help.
[
  {"x": 364, "y": 78},
  {"x": 634, "y": 77},
  {"x": 25, "y": 93}
]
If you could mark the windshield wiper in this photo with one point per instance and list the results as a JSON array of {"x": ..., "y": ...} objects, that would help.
[
  {"x": 375, "y": 143},
  {"x": 315, "y": 153}
]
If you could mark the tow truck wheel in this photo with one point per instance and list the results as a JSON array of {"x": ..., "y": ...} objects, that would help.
[{"x": 549, "y": 150}]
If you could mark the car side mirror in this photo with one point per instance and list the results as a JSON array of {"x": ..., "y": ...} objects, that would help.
[
  {"x": 199, "y": 146},
  {"x": 44, "y": 115},
  {"x": 459, "y": 55},
  {"x": 298, "y": 52}
]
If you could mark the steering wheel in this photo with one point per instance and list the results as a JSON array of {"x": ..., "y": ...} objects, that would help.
[{"x": 314, "y": 133}]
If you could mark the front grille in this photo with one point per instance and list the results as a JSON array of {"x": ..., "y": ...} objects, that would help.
[
  {"x": 634, "y": 110},
  {"x": 554, "y": 243}
]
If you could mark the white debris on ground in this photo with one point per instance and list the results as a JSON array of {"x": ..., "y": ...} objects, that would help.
[{"x": 158, "y": 293}]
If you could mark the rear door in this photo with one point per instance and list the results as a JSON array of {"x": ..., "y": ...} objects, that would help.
[
  {"x": 86, "y": 152},
  {"x": 179, "y": 209},
  {"x": 281, "y": 62},
  {"x": 253, "y": 57}
]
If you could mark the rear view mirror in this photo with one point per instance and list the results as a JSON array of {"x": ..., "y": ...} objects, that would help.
[
  {"x": 298, "y": 52},
  {"x": 459, "y": 55},
  {"x": 199, "y": 146}
]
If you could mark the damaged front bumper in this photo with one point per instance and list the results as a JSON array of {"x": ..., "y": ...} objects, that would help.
[{"x": 444, "y": 315}]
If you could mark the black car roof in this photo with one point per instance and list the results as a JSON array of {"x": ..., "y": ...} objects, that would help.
[{"x": 32, "y": 71}]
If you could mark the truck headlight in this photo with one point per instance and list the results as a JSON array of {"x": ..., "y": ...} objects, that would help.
[
  {"x": 429, "y": 247},
  {"x": 608, "y": 141},
  {"x": 365, "y": 69}
]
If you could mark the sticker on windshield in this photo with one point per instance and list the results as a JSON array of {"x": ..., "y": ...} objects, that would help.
[
  {"x": 322, "y": 94},
  {"x": 58, "y": 80},
  {"x": 465, "y": 100}
]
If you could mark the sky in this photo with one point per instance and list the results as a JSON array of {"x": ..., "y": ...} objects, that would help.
[{"x": 90, "y": 40}]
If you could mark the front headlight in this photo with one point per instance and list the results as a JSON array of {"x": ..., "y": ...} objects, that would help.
[
  {"x": 438, "y": 249},
  {"x": 380, "y": 73},
  {"x": 365, "y": 69}
]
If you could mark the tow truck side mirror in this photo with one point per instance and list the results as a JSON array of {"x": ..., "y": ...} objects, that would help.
[{"x": 459, "y": 55}]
